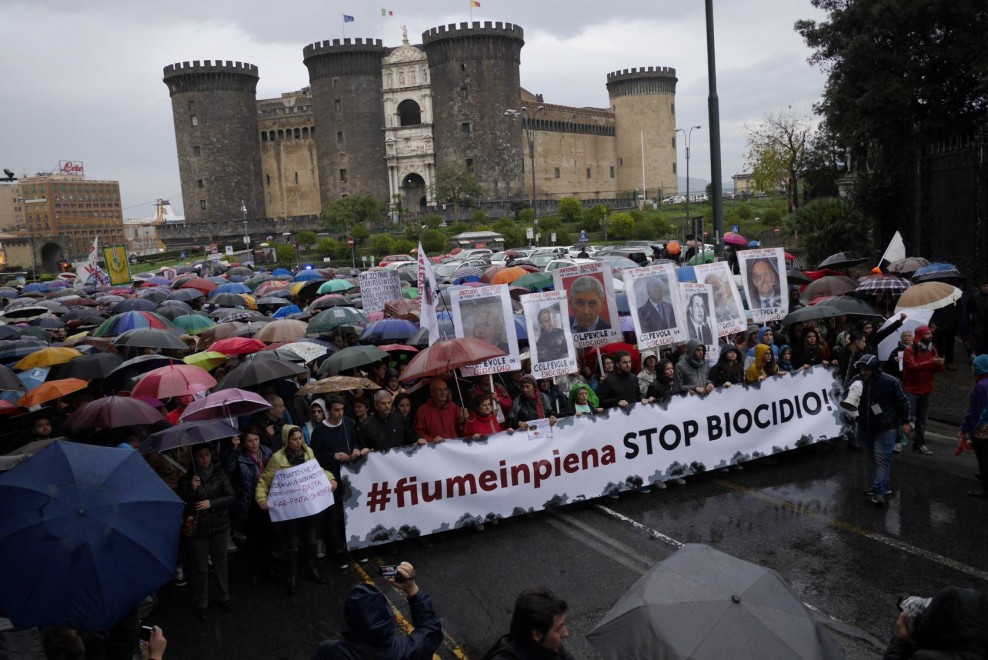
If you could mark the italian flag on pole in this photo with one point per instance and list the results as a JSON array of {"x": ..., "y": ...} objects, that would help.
[
  {"x": 474, "y": 3},
  {"x": 386, "y": 12}
]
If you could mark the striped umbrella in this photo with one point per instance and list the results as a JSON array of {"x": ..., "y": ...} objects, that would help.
[
  {"x": 120, "y": 323},
  {"x": 883, "y": 285}
]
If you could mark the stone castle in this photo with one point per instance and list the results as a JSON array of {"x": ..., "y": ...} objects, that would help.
[{"x": 384, "y": 121}]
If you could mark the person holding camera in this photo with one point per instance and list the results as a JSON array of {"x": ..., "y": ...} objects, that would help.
[{"x": 369, "y": 624}]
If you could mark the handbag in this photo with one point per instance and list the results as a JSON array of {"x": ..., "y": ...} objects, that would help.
[{"x": 190, "y": 523}]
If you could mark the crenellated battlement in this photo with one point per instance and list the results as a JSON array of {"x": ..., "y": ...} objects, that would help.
[
  {"x": 642, "y": 72},
  {"x": 475, "y": 29},
  {"x": 342, "y": 45},
  {"x": 210, "y": 66}
]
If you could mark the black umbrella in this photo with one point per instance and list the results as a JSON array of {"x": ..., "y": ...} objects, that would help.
[
  {"x": 9, "y": 332},
  {"x": 252, "y": 372},
  {"x": 9, "y": 380},
  {"x": 150, "y": 338},
  {"x": 173, "y": 310},
  {"x": 841, "y": 261},
  {"x": 91, "y": 366},
  {"x": 134, "y": 305},
  {"x": 850, "y": 306},
  {"x": 47, "y": 321},
  {"x": 186, "y": 434},
  {"x": 228, "y": 300},
  {"x": 797, "y": 276}
]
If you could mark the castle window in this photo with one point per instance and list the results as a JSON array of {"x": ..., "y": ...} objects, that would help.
[
  {"x": 555, "y": 172},
  {"x": 298, "y": 133},
  {"x": 612, "y": 171},
  {"x": 409, "y": 113},
  {"x": 673, "y": 141},
  {"x": 281, "y": 134},
  {"x": 196, "y": 152},
  {"x": 465, "y": 127},
  {"x": 674, "y": 168},
  {"x": 339, "y": 138},
  {"x": 200, "y": 183},
  {"x": 264, "y": 136},
  {"x": 343, "y": 176},
  {"x": 202, "y": 204},
  {"x": 268, "y": 177},
  {"x": 195, "y": 120},
  {"x": 620, "y": 162},
  {"x": 469, "y": 164},
  {"x": 588, "y": 172},
  {"x": 337, "y": 105},
  {"x": 296, "y": 177},
  {"x": 305, "y": 132},
  {"x": 673, "y": 107},
  {"x": 192, "y": 107}
]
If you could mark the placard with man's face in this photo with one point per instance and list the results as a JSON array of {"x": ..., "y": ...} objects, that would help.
[
  {"x": 728, "y": 308},
  {"x": 656, "y": 305},
  {"x": 593, "y": 315},
  {"x": 763, "y": 273},
  {"x": 485, "y": 313}
]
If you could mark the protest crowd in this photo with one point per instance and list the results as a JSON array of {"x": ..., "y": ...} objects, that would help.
[{"x": 233, "y": 383}]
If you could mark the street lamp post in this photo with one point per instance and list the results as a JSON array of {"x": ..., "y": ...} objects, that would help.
[
  {"x": 243, "y": 208},
  {"x": 687, "y": 135},
  {"x": 527, "y": 116}
]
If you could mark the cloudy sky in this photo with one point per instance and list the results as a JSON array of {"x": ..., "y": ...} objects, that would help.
[{"x": 82, "y": 80}]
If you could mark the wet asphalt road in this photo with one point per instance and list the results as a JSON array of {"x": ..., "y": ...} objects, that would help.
[{"x": 805, "y": 516}]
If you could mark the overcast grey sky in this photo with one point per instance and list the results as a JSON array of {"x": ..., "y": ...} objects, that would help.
[{"x": 82, "y": 80}]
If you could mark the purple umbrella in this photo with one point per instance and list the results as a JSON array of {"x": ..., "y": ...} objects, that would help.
[
  {"x": 225, "y": 404},
  {"x": 187, "y": 434},
  {"x": 113, "y": 412}
]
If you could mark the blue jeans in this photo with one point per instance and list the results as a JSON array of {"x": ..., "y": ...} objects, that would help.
[
  {"x": 920, "y": 403},
  {"x": 879, "y": 447}
]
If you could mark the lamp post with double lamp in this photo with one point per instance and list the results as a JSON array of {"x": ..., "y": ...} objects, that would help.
[
  {"x": 687, "y": 135},
  {"x": 527, "y": 116}
]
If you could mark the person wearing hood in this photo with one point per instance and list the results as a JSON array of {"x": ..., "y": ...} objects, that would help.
[
  {"x": 729, "y": 368},
  {"x": 766, "y": 337},
  {"x": 293, "y": 452},
  {"x": 950, "y": 625},
  {"x": 391, "y": 382},
  {"x": 650, "y": 362},
  {"x": 764, "y": 365},
  {"x": 664, "y": 386},
  {"x": 692, "y": 370},
  {"x": 369, "y": 624},
  {"x": 921, "y": 363},
  {"x": 882, "y": 409},
  {"x": 785, "y": 360},
  {"x": 530, "y": 404},
  {"x": 317, "y": 415},
  {"x": 973, "y": 432},
  {"x": 558, "y": 402}
]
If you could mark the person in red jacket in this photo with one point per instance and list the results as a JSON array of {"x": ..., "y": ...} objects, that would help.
[
  {"x": 439, "y": 418},
  {"x": 482, "y": 420},
  {"x": 920, "y": 364}
]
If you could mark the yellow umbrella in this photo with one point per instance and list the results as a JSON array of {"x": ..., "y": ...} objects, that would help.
[
  {"x": 250, "y": 301},
  {"x": 48, "y": 357},
  {"x": 207, "y": 360}
]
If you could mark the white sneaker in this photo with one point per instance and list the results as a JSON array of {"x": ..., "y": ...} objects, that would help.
[{"x": 897, "y": 448}]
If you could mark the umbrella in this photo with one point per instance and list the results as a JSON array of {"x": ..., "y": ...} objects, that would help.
[
  {"x": 230, "y": 287},
  {"x": 590, "y": 356},
  {"x": 150, "y": 338},
  {"x": 239, "y": 315},
  {"x": 267, "y": 287},
  {"x": 410, "y": 292},
  {"x": 193, "y": 324},
  {"x": 733, "y": 238},
  {"x": 113, "y": 412},
  {"x": 47, "y": 357},
  {"x": 701, "y": 603},
  {"x": 307, "y": 350},
  {"x": 15, "y": 349},
  {"x": 335, "y": 286},
  {"x": 794, "y": 276},
  {"x": 253, "y": 372},
  {"x": 352, "y": 357},
  {"x": 328, "y": 320},
  {"x": 281, "y": 330},
  {"x": 330, "y": 300},
  {"x": 228, "y": 300},
  {"x": 9, "y": 380},
  {"x": 841, "y": 261},
  {"x": 389, "y": 330},
  {"x": 509, "y": 275},
  {"x": 949, "y": 276},
  {"x": 121, "y": 323},
  {"x": 850, "y": 306},
  {"x": 187, "y": 434},
  {"x": 172, "y": 308},
  {"x": 273, "y": 301},
  {"x": 307, "y": 275},
  {"x": 118, "y": 378},
  {"x": 534, "y": 281},
  {"x": 448, "y": 354},
  {"x": 907, "y": 266},
  {"x": 705, "y": 257},
  {"x": 157, "y": 296},
  {"x": 31, "y": 379},
  {"x": 53, "y": 389},
  {"x": 883, "y": 285},
  {"x": 173, "y": 380},
  {"x": 198, "y": 283},
  {"x": 186, "y": 295},
  {"x": 831, "y": 285},
  {"x": 25, "y": 313},
  {"x": 490, "y": 273},
  {"x": 91, "y": 366},
  {"x": 935, "y": 267},
  {"x": 134, "y": 305},
  {"x": 87, "y": 533},
  {"x": 400, "y": 353},
  {"x": 929, "y": 295},
  {"x": 48, "y": 321},
  {"x": 337, "y": 384},
  {"x": 228, "y": 403},
  {"x": 236, "y": 346},
  {"x": 207, "y": 360}
]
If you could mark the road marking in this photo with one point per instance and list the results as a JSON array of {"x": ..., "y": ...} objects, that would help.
[
  {"x": 652, "y": 533},
  {"x": 860, "y": 531},
  {"x": 597, "y": 540},
  {"x": 454, "y": 646}
]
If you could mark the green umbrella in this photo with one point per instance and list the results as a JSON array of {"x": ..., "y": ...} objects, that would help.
[
  {"x": 534, "y": 281},
  {"x": 328, "y": 320},
  {"x": 352, "y": 357},
  {"x": 193, "y": 324},
  {"x": 706, "y": 257},
  {"x": 336, "y": 286},
  {"x": 410, "y": 292}
]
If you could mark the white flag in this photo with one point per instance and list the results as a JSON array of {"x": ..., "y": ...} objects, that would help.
[
  {"x": 896, "y": 249},
  {"x": 90, "y": 268},
  {"x": 427, "y": 295}
]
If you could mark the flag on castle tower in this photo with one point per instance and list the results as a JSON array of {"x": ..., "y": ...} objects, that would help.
[
  {"x": 386, "y": 12},
  {"x": 474, "y": 3},
  {"x": 347, "y": 19}
]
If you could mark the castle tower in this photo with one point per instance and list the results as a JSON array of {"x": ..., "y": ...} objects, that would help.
[
  {"x": 644, "y": 104},
  {"x": 475, "y": 78},
  {"x": 219, "y": 158},
  {"x": 348, "y": 108}
]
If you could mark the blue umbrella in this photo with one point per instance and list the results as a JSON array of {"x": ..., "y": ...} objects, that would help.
[
  {"x": 281, "y": 271},
  {"x": 936, "y": 267},
  {"x": 36, "y": 286},
  {"x": 86, "y": 534},
  {"x": 388, "y": 331},
  {"x": 520, "y": 330},
  {"x": 686, "y": 274},
  {"x": 307, "y": 275},
  {"x": 231, "y": 287},
  {"x": 285, "y": 312},
  {"x": 33, "y": 377}
]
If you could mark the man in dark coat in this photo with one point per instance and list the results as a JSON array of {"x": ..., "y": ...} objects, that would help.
[
  {"x": 882, "y": 409},
  {"x": 620, "y": 389},
  {"x": 384, "y": 428},
  {"x": 538, "y": 629},
  {"x": 369, "y": 624}
]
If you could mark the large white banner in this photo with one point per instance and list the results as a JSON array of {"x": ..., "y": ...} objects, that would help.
[
  {"x": 593, "y": 309},
  {"x": 485, "y": 313},
  {"x": 763, "y": 273},
  {"x": 299, "y": 491},
  {"x": 421, "y": 490},
  {"x": 656, "y": 305},
  {"x": 728, "y": 308},
  {"x": 550, "y": 340},
  {"x": 378, "y": 287}
]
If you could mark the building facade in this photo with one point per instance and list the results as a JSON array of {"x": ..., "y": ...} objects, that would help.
[{"x": 385, "y": 121}]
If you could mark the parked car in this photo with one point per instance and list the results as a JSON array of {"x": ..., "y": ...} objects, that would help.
[
  {"x": 473, "y": 252},
  {"x": 640, "y": 255},
  {"x": 674, "y": 199},
  {"x": 556, "y": 264},
  {"x": 394, "y": 259}
]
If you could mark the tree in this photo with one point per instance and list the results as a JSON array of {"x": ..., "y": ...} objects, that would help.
[
  {"x": 900, "y": 75},
  {"x": 343, "y": 215},
  {"x": 286, "y": 254},
  {"x": 306, "y": 239},
  {"x": 825, "y": 163},
  {"x": 480, "y": 218},
  {"x": 382, "y": 244},
  {"x": 825, "y": 225},
  {"x": 777, "y": 152},
  {"x": 620, "y": 226},
  {"x": 332, "y": 248},
  {"x": 570, "y": 209},
  {"x": 594, "y": 217},
  {"x": 434, "y": 241},
  {"x": 457, "y": 186},
  {"x": 360, "y": 234}
]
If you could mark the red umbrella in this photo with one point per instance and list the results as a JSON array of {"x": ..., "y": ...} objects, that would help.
[
  {"x": 225, "y": 404},
  {"x": 113, "y": 412},
  {"x": 199, "y": 284},
  {"x": 448, "y": 354},
  {"x": 237, "y": 346},
  {"x": 173, "y": 380},
  {"x": 732, "y": 238}
]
